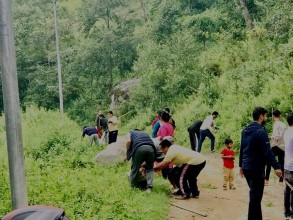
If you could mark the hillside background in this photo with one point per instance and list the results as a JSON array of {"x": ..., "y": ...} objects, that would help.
[{"x": 194, "y": 56}]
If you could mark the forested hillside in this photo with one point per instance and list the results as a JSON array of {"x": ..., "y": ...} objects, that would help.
[{"x": 194, "y": 56}]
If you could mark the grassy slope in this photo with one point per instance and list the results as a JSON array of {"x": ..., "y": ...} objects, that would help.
[{"x": 60, "y": 172}]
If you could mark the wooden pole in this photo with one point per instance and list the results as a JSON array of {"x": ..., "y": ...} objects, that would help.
[
  {"x": 11, "y": 107},
  {"x": 58, "y": 60}
]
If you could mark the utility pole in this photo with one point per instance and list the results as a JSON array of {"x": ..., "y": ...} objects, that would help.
[
  {"x": 11, "y": 107},
  {"x": 58, "y": 60}
]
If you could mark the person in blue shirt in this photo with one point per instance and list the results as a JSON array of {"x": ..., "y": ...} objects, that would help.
[
  {"x": 92, "y": 133},
  {"x": 141, "y": 149},
  {"x": 157, "y": 125},
  {"x": 255, "y": 153}
]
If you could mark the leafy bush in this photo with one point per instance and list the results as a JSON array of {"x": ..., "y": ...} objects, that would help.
[{"x": 60, "y": 172}]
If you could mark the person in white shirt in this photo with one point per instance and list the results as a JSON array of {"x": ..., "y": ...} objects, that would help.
[
  {"x": 206, "y": 130},
  {"x": 112, "y": 127},
  {"x": 278, "y": 145},
  {"x": 288, "y": 168}
]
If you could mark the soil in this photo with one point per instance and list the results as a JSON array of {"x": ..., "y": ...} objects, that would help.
[{"x": 216, "y": 204}]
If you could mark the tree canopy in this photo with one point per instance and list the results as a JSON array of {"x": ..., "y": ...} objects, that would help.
[{"x": 180, "y": 49}]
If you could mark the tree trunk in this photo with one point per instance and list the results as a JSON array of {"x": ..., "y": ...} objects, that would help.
[{"x": 246, "y": 14}]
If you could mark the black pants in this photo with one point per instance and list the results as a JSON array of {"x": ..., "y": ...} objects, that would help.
[
  {"x": 288, "y": 193},
  {"x": 255, "y": 181},
  {"x": 144, "y": 153},
  {"x": 280, "y": 154},
  {"x": 186, "y": 179},
  {"x": 113, "y": 136},
  {"x": 194, "y": 139}
]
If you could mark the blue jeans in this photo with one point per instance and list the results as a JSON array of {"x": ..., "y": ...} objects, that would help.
[
  {"x": 255, "y": 180},
  {"x": 203, "y": 135}
]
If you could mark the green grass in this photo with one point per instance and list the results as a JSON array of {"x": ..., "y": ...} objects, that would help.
[
  {"x": 60, "y": 172},
  {"x": 208, "y": 186}
]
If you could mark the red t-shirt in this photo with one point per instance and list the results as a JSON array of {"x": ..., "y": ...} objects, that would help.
[
  {"x": 166, "y": 129},
  {"x": 228, "y": 163}
]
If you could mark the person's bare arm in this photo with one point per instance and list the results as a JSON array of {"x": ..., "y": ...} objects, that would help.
[
  {"x": 241, "y": 172},
  {"x": 161, "y": 165},
  {"x": 128, "y": 141}
]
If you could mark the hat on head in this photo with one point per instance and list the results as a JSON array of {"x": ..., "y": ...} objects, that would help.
[{"x": 169, "y": 138}]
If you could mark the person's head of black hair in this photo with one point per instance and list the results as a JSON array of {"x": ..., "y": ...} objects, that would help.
[
  {"x": 165, "y": 143},
  {"x": 110, "y": 112},
  {"x": 228, "y": 141},
  {"x": 290, "y": 119},
  {"x": 277, "y": 113},
  {"x": 215, "y": 113},
  {"x": 160, "y": 113},
  {"x": 165, "y": 116},
  {"x": 257, "y": 112},
  {"x": 102, "y": 115},
  {"x": 84, "y": 127},
  {"x": 167, "y": 110}
]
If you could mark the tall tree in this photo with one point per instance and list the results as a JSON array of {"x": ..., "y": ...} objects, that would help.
[{"x": 245, "y": 13}]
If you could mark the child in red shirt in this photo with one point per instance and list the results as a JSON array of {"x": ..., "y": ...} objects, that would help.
[{"x": 228, "y": 156}]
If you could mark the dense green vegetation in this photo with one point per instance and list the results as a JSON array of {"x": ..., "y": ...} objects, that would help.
[
  {"x": 217, "y": 52},
  {"x": 193, "y": 56},
  {"x": 60, "y": 172}
]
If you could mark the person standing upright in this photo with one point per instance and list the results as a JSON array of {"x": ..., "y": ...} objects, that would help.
[
  {"x": 166, "y": 129},
  {"x": 255, "y": 152},
  {"x": 157, "y": 125},
  {"x": 206, "y": 130},
  {"x": 288, "y": 168},
  {"x": 194, "y": 134},
  {"x": 278, "y": 145},
  {"x": 112, "y": 127},
  {"x": 102, "y": 123},
  {"x": 228, "y": 156}
]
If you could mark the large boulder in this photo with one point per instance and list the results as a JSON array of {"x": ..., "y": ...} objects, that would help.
[
  {"x": 113, "y": 153},
  {"x": 116, "y": 152}
]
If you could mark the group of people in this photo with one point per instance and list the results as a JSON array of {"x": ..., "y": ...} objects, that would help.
[
  {"x": 182, "y": 165},
  {"x": 163, "y": 125},
  {"x": 106, "y": 129},
  {"x": 179, "y": 164},
  {"x": 145, "y": 160},
  {"x": 256, "y": 153}
]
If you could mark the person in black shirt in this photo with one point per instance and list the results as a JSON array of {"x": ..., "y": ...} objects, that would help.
[
  {"x": 92, "y": 133},
  {"x": 255, "y": 152},
  {"x": 194, "y": 134}
]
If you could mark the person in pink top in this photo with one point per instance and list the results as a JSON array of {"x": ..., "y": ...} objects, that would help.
[{"x": 166, "y": 129}]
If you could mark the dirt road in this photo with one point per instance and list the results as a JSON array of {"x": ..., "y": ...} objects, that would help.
[{"x": 216, "y": 204}]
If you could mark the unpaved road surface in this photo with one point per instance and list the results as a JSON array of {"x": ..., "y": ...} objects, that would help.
[{"x": 216, "y": 204}]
